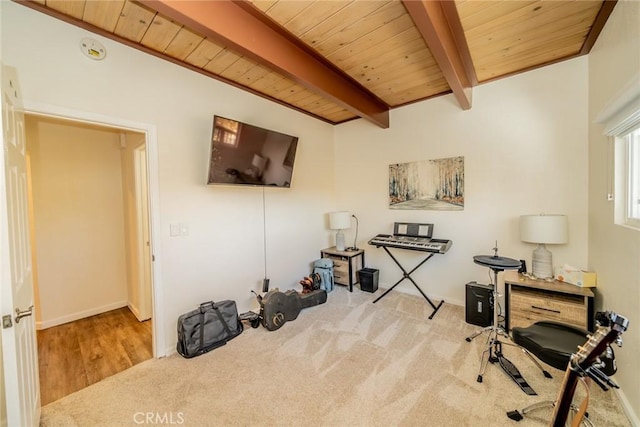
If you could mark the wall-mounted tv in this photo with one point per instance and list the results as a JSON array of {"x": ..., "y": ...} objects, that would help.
[{"x": 243, "y": 154}]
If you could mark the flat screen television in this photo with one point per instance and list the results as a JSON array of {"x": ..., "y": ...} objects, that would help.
[{"x": 243, "y": 154}]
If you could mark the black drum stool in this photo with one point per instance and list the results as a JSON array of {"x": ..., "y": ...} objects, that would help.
[{"x": 551, "y": 342}]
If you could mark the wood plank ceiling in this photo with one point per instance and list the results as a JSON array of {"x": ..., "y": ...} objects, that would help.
[{"x": 337, "y": 60}]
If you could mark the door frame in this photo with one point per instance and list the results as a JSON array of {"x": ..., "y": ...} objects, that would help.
[{"x": 151, "y": 141}]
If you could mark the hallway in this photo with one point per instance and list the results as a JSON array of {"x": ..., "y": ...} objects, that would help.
[{"x": 75, "y": 355}]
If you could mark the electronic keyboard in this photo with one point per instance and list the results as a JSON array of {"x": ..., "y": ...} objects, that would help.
[{"x": 424, "y": 244}]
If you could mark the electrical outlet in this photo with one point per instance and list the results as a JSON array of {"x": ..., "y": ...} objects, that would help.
[{"x": 179, "y": 229}]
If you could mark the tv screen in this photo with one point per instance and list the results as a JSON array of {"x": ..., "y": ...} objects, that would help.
[{"x": 243, "y": 154}]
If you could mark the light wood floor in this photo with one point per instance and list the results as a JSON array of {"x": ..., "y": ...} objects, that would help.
[{"x": 77, "y": 354}]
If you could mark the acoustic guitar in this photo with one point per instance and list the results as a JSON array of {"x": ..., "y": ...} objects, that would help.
[
  {"x": 277, "y": 308},
  {"x": 586, "y": 363}
]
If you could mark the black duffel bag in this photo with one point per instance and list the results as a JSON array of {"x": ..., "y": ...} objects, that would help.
[{"x": 208, "y": 327}]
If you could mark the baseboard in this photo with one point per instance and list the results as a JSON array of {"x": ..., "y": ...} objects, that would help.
[
  {"x": 455, "y": 302},
  {"x": 79, "y": 315},
  {"x": 628, "y": 409},
  {"x": 136, "y": 313},
  {"x": 435, "y": 298},
  {"x": 134, "y": 310}
]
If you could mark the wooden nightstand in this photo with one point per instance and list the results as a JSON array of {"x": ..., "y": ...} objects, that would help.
[
  {"x": 345, "y": 265},
  {"x": 528, "y": 301}
]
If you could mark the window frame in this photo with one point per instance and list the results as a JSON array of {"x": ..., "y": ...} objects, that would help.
[
  {"x": 631, "y": 193},
  {"x": 620, "y": 118}
]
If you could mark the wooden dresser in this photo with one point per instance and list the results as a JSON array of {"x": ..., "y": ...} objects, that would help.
[{"x": 529, "y": 300}]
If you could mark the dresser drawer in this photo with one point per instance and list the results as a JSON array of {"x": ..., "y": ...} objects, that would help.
[
  {"x": 341, "y": 272},
  {"x": 340, "y": 269},
  {"x": 339, "y": 264},
  {"x": 529, "y": 306}
]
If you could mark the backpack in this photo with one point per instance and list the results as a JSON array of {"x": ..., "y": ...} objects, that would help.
[{"x": 324, "y": 267}]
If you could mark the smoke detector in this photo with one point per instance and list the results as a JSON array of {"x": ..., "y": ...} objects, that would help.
[{"x": 93, "y": 49}]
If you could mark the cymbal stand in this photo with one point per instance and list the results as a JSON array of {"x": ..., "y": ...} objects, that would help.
[{"x": 493, "y": 345}]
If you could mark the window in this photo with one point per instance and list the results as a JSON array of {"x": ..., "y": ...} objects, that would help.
[
  {"x": 632, "y": 169},
  {"x": 627, "y": 177},
  {"x": 226, "y": 131},
  {"x": 621, "y": 120}
]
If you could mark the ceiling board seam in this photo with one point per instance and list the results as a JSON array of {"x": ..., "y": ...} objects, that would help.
[
  {"x": 324, "y": 19},
  {"x": 336, "y": 29},
  {"x": 353, "y": 41},
  {"x": 516, "y": 15}
]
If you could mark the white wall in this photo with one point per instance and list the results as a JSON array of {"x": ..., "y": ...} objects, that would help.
[
  {"x": 222, "y": 257},
  {"x": 78, "y": 220},
  {"x": 524, "y": 144},
  {"x": 614, "y": 251}
]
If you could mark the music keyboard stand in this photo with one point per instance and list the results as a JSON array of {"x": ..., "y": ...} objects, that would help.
[{"x": 407, "y": 275}]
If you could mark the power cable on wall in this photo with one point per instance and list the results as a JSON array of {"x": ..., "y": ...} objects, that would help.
[{"x": 265, "y": 281}]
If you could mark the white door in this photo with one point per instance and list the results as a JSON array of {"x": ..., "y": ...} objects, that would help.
[
  {"x": 144, "y": 248},
  {"x": 19, "y": 347}
]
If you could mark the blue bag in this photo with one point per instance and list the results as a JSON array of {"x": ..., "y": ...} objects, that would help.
[{"x": 324, "y": 267}]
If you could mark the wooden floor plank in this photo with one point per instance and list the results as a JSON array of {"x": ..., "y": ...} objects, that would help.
[{"x": 77, "y": 354}]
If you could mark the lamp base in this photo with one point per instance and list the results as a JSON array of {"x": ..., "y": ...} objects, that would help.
[
  {"x": 542, "y": 263},
  {"x": 340, "y": 245}
]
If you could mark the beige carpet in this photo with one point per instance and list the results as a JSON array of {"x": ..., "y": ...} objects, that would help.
[{"x": 345, "y": 363}]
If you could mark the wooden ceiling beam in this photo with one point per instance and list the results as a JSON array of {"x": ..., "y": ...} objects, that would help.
[
  {"x": 598, "y": 25},
  {"x": 241, "y": 27},
  {"x": 442, "y": 32}
]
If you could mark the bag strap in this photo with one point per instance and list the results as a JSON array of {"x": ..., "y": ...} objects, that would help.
[
  {"x": 201, "y": 341},
  {"x": 226, "y": 327},
  {"x": 203, "y": 306}
]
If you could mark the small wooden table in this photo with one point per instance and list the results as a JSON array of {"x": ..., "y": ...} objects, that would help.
[
  {"x": 529, "y": 300},
  {"x": 346, "y": 265}
]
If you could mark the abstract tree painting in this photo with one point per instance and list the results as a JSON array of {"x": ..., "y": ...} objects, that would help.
[{"x": 428, "y": 184}]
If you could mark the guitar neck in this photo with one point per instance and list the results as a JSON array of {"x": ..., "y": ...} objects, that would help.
[
  {"x": 565, "y": 397},
  {"x": 313, "y": 298}
]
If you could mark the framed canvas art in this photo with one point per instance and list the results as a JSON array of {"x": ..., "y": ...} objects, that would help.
[{"x": 427, "y": 184}]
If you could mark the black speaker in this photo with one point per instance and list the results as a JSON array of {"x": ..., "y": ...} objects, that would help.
[
  {"x": 523, "y": 267},
  {"x": 368, "y": 278},
  {"x": 479, "y": 304}
]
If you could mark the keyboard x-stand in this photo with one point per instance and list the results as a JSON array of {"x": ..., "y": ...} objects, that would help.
[{"x": 415, "y": 237}]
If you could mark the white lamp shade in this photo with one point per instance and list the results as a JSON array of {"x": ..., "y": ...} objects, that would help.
[
  {"x": 259, "y": 161},
  {"x": 339, "y": 220},
  {"x": 546, "y": 229}
]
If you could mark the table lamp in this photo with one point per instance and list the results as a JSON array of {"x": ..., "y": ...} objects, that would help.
[
  {"x": 340, "y": 220},
  {"x": 543, "y": 230},
  {"x": 259, "y": 163}
]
